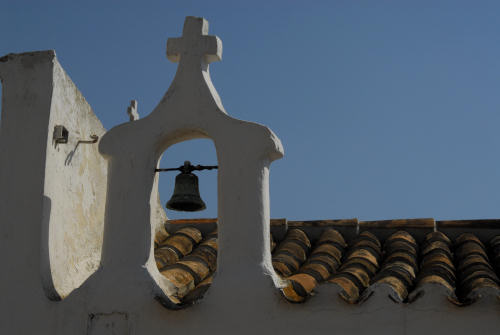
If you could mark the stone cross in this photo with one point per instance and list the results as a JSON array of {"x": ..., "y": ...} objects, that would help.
[
  {"x": 194, "y": 45},
  {"x": 132, "y": 111}
]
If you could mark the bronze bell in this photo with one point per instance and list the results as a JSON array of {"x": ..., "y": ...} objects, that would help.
[{"x": 186, "y": 195}]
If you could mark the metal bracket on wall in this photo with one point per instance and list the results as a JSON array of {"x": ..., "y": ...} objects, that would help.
[
  {"x": 69, "y": 158},
  {"x": 61, "y": 135}
]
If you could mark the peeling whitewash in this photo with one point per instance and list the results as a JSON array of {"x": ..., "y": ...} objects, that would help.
[{"x": 75, "y": 188}]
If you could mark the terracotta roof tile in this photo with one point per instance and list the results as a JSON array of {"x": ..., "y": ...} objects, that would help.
[
  {"x": 360, "y": 265},
  {"x": 399, "y": 268},
  {"x": 161, "y": 235},
  {"x": 191, "y": 275},
  {"x": 291, "y": 252},
  {"x": 176, "y": 246},
  {"x": 436, "y": 265},
  {"x": 406, "y": 264},
  {"x": 198, "y": 292},
  {"x": 475, "y": 273},
  {"x": 323, "y": 261}
]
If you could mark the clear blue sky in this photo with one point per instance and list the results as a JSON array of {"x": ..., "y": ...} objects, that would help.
[{"x": 386, "y": 109}]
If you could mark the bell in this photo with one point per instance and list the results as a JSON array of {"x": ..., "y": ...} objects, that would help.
[{"x": 186, "y": 195}]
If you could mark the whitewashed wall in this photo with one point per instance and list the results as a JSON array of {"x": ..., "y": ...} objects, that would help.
[{"x": 74, "y": 190}]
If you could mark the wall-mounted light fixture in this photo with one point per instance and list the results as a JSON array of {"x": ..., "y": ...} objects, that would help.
[
  {"x": 186, "y": 196},
  {"x": 60, "y": 134}
]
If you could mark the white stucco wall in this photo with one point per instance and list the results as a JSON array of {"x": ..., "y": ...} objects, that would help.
[
  {"x": 26, "y": 99},
  {"x": 52, "y": 208},
  {"x": 74, "y": 189}
]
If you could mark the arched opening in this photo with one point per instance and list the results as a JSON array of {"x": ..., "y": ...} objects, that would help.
[{"x": 186, "y": 242}]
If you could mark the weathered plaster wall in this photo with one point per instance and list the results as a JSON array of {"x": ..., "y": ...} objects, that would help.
[
  {"x": 36, "y": 95},
  {"x": 74, "y": 189},
  {"x": 158, "y": 214},
  {"x": 325, "y": 313},
  {"x": 26, "y": 98}
]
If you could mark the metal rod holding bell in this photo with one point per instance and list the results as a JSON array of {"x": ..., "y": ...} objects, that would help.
[{"x": 186, "y": 196}]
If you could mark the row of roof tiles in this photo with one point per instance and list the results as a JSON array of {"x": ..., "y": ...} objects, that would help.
[
  {"x": 462, "y": 268},
  {"x": 188, "y": 260},
  {"x": 465, "y": 268}
]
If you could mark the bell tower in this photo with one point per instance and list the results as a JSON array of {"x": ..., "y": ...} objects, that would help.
[{"x": 191, "y": 108}]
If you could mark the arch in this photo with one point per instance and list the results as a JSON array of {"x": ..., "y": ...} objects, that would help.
[
  {"x": 190, "y": 109},
  {"x": 185, "y": 254}
]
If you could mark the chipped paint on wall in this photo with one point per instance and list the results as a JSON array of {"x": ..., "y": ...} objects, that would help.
[{"x": 75, "y": 183}]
